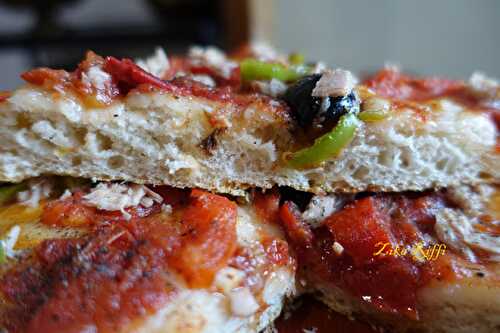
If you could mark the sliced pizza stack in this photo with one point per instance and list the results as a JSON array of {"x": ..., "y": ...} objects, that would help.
[{"x": 199, "y": 193}]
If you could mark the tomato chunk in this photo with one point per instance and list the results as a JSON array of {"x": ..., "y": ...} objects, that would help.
[
  {"x": 76, "y": 82},
  {"x": 210, "y": 238},
  {"x": 68, "y": 212},
  {"x": 358, "y": 228},
  {"x": 388, "y": 280},
  {"x": 267, "y": 205},
  {"x": 295, "y": 228},
  {"x": 391, "y": 83},
  {"x": 118, "y": 272},
  {"x": 73, "y": 212},
  {"x": 129, "y": 75},
  {"x": 46, "y": 77}
]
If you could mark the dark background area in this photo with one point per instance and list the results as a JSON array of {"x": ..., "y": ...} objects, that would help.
[
  {"x": 56, "y": 33},
  {"x": 451, "y": 38}
]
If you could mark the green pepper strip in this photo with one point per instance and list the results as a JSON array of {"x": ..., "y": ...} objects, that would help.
[
  {"x": 252, "y": 69},
  {"x": 327, "y": 146},
  {"x": 373, "y": 115},
  {"x": 7, "y": 192}
]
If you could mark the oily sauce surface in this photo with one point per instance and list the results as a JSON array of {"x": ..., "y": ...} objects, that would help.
[
  {"x": 118, "y": 272},
  {"x": 389, "y": 282}
]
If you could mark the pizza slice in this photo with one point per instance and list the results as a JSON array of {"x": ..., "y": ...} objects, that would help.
[
  {"x": 408, "y": 240},
  {"x": 252, "y": 119},
  {"x": 409, "y": 262},
  {"x": 115, "y": 257}
]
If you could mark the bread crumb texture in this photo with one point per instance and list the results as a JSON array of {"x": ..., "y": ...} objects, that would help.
[{"x": 160, "y": 138}]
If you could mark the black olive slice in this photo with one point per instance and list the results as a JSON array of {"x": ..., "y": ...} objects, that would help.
[
  {"x": 299, "y": 99},
  {"x": 310, "y": 110}
]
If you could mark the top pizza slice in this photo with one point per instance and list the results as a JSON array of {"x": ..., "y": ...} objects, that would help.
[{"x": 252, "y": 119}]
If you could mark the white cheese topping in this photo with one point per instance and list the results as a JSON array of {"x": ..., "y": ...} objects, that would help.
[
  {"x": 167, "y": 209},
  {"x": 96, "y": 77},
  {"x": 67, "y": 193},
  {"x": 461, "y": 228},
  {"x": 460, "y": 232},
  {"x": 470, "y": 199},
  {"x": 38, "y": 190},
  {"x": 338, "y": 248},
  {"x": 320, "y": 207},
  {"x": 265, "y": 52},
  {"x": 228, "y": 278},
  {"x": 205, "y": 79},
  {"x": 157, "y": 64},
  {"x": 243, "y": 303},
  {"x": 272, "y": 88},
  {"x": 10, "y": 241},
  {"x": 113, "y": 197},
  {"x": 147, "y": 202},
  {"x": 213, "y": 58},
  {"x": 334, "y": 83},
  {"x": 481, "y": 83},
  {"x": 319, "y": 67}
]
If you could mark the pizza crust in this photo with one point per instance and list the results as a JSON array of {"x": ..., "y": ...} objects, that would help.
[
  {"x": 468, "y": 305},
  {"x": 161, "y": 138}
]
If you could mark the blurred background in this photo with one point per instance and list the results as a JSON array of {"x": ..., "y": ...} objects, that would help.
[{"x": 444, "y": 37}]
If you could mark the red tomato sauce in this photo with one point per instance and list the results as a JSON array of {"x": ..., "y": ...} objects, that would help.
[
  {"x": 184, "y": 65},
  {"x": 127, "y": 77},
  {"x": 387, "y": 282},
  {"x": 71, "y": 212},
  {"x": 76, "y": 82},
  {"x": 117, "y": 273},
  {"x": 393, "y": 84},
  {"x": 404, "y": 89}
]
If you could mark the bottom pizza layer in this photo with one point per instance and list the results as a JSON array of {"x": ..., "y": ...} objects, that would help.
[
  {"x": 111, "y": 257},
  {"x": 120, "y": 258},
  {"x": 412, "y": 262}
]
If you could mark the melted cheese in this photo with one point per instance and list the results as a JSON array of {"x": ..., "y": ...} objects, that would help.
[
  {"x": 272, "y": 88},
  {"x": 461, "y": 233},
  {"x": 38, "y": 189},
  {"x": 213, "y": 58},
  {"x": 157, "y": 64},
  {"x": 10, "y": 241},
  {"x": 96, "y": 77},
  {"x": 242, "y": 301},
  {"x": 320, "y": 207},
  {"x": 463, "y": 230},
  {"x": 117, "y": 197},
  {"x": 482, "y": 84},
  {"x": 334, "y": 83}
]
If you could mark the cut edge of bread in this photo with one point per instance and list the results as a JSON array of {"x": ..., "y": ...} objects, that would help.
[
  {"x": 445, "y": 308},
  {"x": 161, "y": 138}
]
